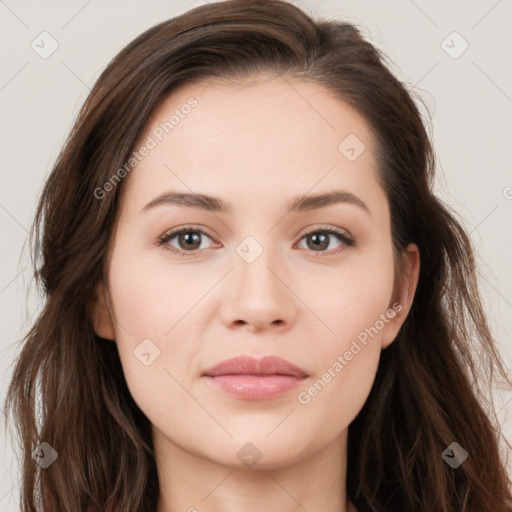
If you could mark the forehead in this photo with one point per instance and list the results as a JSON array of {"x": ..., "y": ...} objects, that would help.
[
  {"x": 265, "y": 133},
  {"x": 224, "y": 107}
]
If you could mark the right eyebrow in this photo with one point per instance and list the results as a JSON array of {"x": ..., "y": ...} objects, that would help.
[{"x": 197, "y": 201}]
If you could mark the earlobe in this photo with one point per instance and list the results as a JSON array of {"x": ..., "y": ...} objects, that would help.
[
  {"x": 100, "y": 314},
  {"x": 404, "y": 296}
]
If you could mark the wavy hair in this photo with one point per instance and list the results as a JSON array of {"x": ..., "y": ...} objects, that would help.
[{"x": 433, "y": 382}]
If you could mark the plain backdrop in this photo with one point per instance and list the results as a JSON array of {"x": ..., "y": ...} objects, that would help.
[{"x": 455, "y": 54}]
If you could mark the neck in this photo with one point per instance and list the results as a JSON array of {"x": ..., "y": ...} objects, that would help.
[{"x": 193, "y": 483}]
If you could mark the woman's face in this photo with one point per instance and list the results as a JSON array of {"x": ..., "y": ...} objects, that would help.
[{"x": 311, "y": 284}]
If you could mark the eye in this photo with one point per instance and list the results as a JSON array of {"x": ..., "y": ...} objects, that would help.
[
  {"x": 188, "y": 237},
  {"x": 320, "y": 239},
  {"x": 189, "y": 240}
]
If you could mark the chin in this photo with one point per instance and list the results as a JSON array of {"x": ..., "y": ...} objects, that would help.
[{"x": 253, "y": 451}]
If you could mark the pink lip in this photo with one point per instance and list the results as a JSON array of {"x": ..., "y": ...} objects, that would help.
[{"x": 250, "y": 378}]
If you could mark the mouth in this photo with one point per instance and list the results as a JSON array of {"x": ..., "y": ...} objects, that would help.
[{"x": 249, "y": 378}]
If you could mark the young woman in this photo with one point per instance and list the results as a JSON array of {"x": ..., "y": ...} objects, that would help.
[{"x": 254, "y": 301}]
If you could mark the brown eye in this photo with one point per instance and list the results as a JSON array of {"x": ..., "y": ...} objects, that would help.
[
  {"x": 320, "y": 240},
  {"x": 188, "y": 240}
]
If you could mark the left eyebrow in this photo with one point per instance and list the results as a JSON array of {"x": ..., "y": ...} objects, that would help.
[
  {"x": 314, "y": 202},
  {"x": 216, "y": 204}
]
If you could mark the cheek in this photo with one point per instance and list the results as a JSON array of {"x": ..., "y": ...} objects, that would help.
[
  {"x": 353, "y": 299},
  {"x": 153, "y": 305},
  {"x": 356, "y": 310},
  {"x": 151, "y": 295},
  {"x": 334, "y": 398},
  {"x": 153, "y": 308}
]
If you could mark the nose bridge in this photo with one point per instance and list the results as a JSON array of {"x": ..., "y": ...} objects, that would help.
[
  {"x": 256, "y": 268},
  {"x": 260, "y": 295}
]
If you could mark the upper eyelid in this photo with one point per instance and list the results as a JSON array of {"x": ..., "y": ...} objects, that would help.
[
  {"x": 176, "y": 231},
  {"x": 302, "y": 232}
]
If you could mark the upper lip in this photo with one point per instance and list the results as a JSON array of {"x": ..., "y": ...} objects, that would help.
[{"x": 247, "y": 365}]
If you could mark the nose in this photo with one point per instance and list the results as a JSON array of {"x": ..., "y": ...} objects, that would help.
[{"x": 259, "y": 296}]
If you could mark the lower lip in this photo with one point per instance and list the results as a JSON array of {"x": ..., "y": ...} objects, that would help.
[{"x": 255, "y": 387}]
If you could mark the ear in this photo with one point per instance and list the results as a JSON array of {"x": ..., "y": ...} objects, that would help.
[
  {"x": 403, "y": 295},
  {"x": 100, "y": 314}
]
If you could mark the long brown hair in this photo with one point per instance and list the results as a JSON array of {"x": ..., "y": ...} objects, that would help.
[{"x": 433, "y": 383}]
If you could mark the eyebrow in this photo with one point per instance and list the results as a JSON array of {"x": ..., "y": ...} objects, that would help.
[{"x": 215, "y": 204}]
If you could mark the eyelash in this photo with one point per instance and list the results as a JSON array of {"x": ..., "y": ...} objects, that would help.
[{"x": 166, "y": 237}]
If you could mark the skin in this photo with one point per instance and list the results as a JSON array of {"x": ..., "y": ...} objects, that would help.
[{"x": 256, "y": 145}]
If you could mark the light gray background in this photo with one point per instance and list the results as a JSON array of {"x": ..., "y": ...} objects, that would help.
[{"x": 470, "y": 98}]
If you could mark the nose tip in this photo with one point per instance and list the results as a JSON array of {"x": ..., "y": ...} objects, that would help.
[{"x": 258, "y": 296}]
